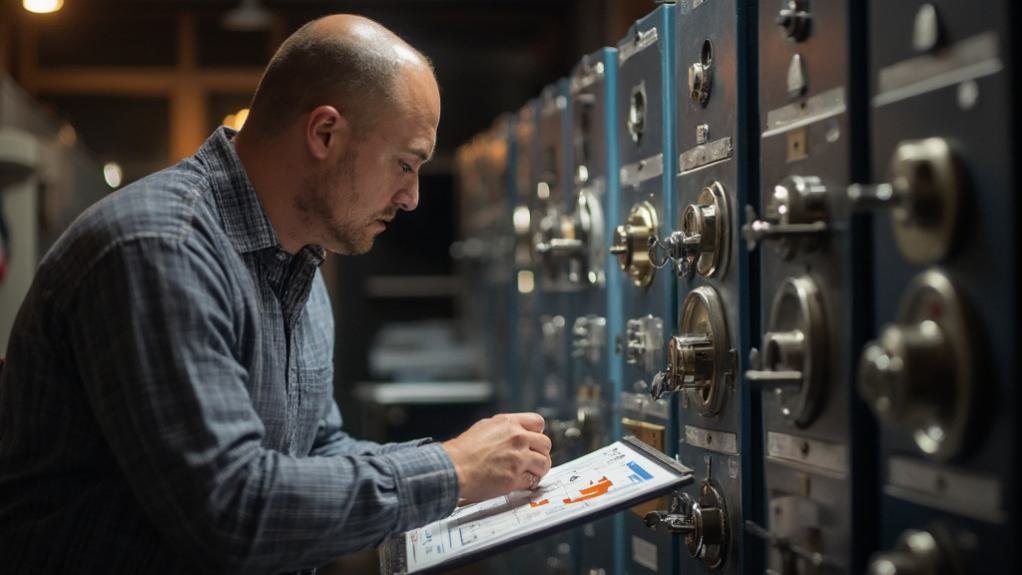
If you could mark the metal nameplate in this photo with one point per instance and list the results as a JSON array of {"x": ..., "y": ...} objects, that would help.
[
  {"x": 710, "y": 440},
  {"x": 819, "y": 107},
  {"x": 705, "y": 154},
  {"x": 635, "y": 173},
  {"x": 968, "y": 494},
  {"x": 644, "y": 553},
  {"x": 643, "y": 39},
  {"x": 643, "y": 404},
  {"x": 969, "y": 59},
  {"x": 814, "y": 453},
  {"x": 586, "y": 77}
]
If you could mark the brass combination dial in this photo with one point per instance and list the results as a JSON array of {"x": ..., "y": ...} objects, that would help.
[{"x": 632, "y": 242}]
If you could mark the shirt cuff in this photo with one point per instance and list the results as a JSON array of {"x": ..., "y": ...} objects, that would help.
[
  {"x": 392, "y": 447},
  {"x": 427, "y": 485}
]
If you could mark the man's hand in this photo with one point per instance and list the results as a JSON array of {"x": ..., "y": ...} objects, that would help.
[{"x": 499, "y": 455}]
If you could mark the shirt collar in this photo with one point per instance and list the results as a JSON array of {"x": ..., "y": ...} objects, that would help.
[{"x": 244, "y": 218}]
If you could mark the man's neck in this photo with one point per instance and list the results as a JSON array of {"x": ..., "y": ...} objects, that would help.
[{"x": 271, "y": 172}]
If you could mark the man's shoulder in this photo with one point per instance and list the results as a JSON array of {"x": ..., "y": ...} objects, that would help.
[
  {"x": 164, "y": 204},
  {"x": 170, "y": 206}
]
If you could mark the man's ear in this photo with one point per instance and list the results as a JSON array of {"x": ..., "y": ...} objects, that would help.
[{"x": 326, "y": 132}]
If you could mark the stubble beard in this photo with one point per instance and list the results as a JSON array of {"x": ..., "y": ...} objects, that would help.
[{"x": 321, "y": 208}]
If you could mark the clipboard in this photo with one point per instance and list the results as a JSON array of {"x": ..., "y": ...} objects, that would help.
[{"x": 610, "y": 479}]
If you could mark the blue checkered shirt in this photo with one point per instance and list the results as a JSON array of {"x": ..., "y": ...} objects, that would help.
[{"x": 167, "y": 404}]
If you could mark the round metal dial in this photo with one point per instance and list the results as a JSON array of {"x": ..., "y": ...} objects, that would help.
[
  {"x": 798, "y": 342},
  {"x": 706, "y": 229},
  {"x": 711, "y": 531},
  {"x": 699, "y": 358},
  {"x": 919, "y": 374},
  {"x": 918, "y": 552},
  {"x": 632, "y": 241},
  {"x": 929, "y": 188}
]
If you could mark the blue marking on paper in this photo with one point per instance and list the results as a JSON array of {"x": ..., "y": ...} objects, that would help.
[{"x": 639, "y": 471}]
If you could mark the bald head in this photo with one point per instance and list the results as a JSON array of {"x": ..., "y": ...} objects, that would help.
[{"x": 346, "y": 61}]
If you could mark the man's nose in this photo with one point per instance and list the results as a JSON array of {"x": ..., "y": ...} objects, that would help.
[{"x": 408, "y": 197}]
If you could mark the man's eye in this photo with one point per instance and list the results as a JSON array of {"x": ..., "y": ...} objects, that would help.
[{"x": 405, "y": 167}]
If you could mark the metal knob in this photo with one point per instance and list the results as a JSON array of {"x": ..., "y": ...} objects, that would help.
[
  {"x": 795, "y": 20},
  {"x": 690, "y": 366},
  {"x": 705, "y": 236},
  {"x": 904, "y": 375},
  {"x": 631, "y": 243},
  {"x": 796, "y": 212},
  {"x": 926, "y": 191},
  {"x": 560, "y": 247},
  {"x": 703, "y": 521},
  {"x": 918, "y": 552},
  {"x": 700, "y": 360},
  {"x": 918, "y": 375},
  {"x": 700, "y": 79},
  {"x": 589, "y": 337}
]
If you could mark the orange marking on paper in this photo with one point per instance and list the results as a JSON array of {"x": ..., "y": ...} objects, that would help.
[{"x": 599, "y": 488}]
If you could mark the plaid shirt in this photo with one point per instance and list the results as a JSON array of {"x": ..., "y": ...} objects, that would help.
[{"x": 167, "y": 403}]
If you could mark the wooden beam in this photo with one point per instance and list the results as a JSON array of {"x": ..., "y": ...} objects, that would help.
[
  {"x": 188, "y": 107},
  {"x": 120, "y": 81}
]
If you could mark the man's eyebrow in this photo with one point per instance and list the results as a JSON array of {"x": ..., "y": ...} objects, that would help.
[{"x": 423, "y": 155}]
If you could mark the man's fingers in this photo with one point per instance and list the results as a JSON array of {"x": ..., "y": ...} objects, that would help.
[
  {"x": 537, "y": 464},
  {"x": 540, "y": 443},
  {"x": 530, "y": 421}
]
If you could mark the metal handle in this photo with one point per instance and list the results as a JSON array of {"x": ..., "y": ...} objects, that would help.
[
  {"x": 757, "y": 230},
  {"x": 788, "y": 547},
  {"x": 560, "y": 247},
  {"x": 866, "y": 197},
  {"x": 771, "y": 378}
]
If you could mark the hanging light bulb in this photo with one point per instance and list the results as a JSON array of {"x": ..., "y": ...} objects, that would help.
[
  {"x": 42, "y": 6},
  {"x": 249, "y": 16}
]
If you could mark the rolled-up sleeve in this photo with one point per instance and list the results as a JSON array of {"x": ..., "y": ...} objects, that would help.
[{"x": 153, "y": 329}]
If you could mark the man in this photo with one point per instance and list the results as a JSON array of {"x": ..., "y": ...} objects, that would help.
[{"x": 167, "y": 400}]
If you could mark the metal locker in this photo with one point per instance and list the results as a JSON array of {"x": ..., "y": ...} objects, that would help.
[
  {"x": 716, "y": 141},
  {"x": 818, "y": 441},
  {"x": 940, "y": 370},
  {"x": 596, "y": 304},
  {"x": 646, "y": 159},
  {"x": 552, "y": 209}
]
